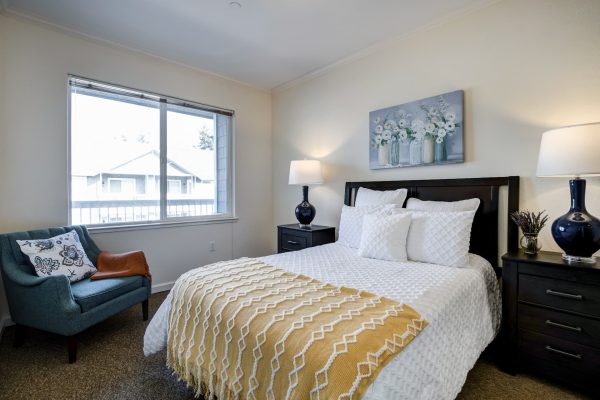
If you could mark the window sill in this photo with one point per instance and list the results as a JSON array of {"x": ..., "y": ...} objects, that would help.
[{"x": 97, "y": 229}]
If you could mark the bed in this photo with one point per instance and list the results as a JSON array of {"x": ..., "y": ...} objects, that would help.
[{"x": 461, "y": 305}]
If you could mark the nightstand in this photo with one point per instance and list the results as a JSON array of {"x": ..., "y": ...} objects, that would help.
[
  {"x": 291, "y": 237},
  {"x": 551, "y": 318}
]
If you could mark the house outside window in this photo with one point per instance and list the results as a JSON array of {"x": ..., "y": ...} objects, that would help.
[{"x": 137, "y": 157}]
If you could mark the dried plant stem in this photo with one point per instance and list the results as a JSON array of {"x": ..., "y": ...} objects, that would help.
[{"x": 531, "y": 223}]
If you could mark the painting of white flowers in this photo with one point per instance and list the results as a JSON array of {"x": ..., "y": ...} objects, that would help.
[{"x": 422, "y": 132}]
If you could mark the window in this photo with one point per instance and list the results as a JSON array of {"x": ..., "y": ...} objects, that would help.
[{"x": 139, "y": 157}]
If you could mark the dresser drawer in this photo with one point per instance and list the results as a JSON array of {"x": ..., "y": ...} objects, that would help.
[
  {"x": 569, "y": 296},
  {"x": 542, "y": 354},
  {"x": 581, "y": 330},
  {"x": 293, "y": 242},
  {"x": 561, "y": 353}
]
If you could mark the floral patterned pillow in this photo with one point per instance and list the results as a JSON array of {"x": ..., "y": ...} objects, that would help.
[{"x": 59, "y": 255}]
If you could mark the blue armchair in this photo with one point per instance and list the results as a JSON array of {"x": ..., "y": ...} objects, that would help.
[{"x": 53, "y": 303}]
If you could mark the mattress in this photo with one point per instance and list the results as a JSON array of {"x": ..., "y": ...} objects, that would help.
[{"x": 462, "y": 306}]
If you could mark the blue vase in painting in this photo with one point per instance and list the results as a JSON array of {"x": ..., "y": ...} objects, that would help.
[
  {"x": 395, "y": 153},
  {"x": 441, "y": 154}
]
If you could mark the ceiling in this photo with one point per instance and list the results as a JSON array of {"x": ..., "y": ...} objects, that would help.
[{"x": 265, "y": 43}]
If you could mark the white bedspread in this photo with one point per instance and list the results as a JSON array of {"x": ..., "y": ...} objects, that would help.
[{"x": 462, "y": 306}]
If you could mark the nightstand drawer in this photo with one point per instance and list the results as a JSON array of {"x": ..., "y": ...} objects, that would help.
[
  {"x": 293, "y": 242},
  {"x": 561, "y": 353},
  {"x": 582, "y": 330},
  {"x": 563, "y": 295}
]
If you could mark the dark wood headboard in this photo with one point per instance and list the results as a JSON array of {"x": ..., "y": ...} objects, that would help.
[{"x": 484, "y": 234}]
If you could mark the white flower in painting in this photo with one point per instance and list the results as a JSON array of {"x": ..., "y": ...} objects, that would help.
[
  {"x": 417, "y": 124},
  {"x": 396, "y": 129},
  {"x": 387, "y": 135},
  {"x": 450, "y": 116},
  {"x": 403, "y": 135},
  {"x": 403, "y": 123},
  {"x": 449, "y": 126},
  {"x": 377, "y": 120},
  {"x": 378, "y": 139},
  {"x": 441, "y": 133},
  {"x": 378, "y": 129},
  {"x": 387, "y": 125},
  {"x": 439, "y": 140},
  {"x": 420, "y": 135},
  {"x": 429, "y": 127}
]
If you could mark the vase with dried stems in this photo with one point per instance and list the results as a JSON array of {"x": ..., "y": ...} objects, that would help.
[{"x": 531, "y": 223}]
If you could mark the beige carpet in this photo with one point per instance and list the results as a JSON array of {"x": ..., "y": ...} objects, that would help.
[{"x": 111, "y": 365}]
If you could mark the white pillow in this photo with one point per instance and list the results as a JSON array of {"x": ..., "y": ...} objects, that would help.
[
  {"x": 368, "y": 197},
  {"x": 384, "y": 236},
  {"x": 461, "y": 205},
  {"x": 439, "y": 237},
  {"x": 59, "y": 255},
  {"x": 351, "y": 223}
]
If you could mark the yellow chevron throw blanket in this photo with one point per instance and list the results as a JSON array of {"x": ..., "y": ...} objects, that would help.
[{"x": 244, "y": 329}]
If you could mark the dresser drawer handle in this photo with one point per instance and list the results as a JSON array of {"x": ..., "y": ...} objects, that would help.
[
  {"x": 292, "y": 242},
  {"x": 563, "y": 326},
  {"x": 564, "y": 353},
  {"x": 565, "y": 295}
]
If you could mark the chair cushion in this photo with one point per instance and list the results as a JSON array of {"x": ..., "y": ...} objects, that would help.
[{"x": 89, "y": 294}]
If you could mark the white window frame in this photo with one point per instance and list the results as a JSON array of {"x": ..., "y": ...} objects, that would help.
[
  {"x": 229, "y": 216},
  {"x": 177, "y": 183},
  {"x": 122, "y": 180}
]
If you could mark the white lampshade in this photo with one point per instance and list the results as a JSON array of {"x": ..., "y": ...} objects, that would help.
[
  {"x": 570, "y": 151},
  {"x": 305, "y": 172}
]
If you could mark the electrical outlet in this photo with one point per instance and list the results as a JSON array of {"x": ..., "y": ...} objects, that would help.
[{"x": 212, "y": 245}]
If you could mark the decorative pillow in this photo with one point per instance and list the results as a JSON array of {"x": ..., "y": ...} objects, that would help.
[
  {"x": 461, "y": 205},
  {"x": 384, "y": 236},
  {"x": 439, "y": 237},
  {"x": 59, "y": 255},
  {"x": 351, "y": 223},
  {"x": 368, "y": 197}
]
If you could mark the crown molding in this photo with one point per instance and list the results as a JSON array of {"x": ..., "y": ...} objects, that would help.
[
  {"x": 384, "y": 44},
  {"x": 23, "y": 16}
]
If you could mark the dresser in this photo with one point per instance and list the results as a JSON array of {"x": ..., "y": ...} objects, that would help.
[
  {"x": 292, "y": 237},
  {"x": 551, "y": 318}
]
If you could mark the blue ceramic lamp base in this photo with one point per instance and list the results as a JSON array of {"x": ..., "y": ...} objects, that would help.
[
  {"x": 577, "y": 232},
  {"x": 305, "y": 212}
]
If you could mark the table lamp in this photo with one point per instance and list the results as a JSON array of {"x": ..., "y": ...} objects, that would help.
[
  {"x": 305, "y": 172},
  {"x": 573, "y": 152}
]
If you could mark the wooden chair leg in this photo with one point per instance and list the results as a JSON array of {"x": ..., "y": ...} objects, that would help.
[
  {"x": 72, "y": 348},
  {"x": 145, "y": 310},
  {"x": 19, "y": 335}
]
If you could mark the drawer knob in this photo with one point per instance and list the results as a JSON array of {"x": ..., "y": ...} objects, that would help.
[
  {"x": 564, "y": 353},
  {"x": 563, "y": 326},
  {"x": 564, "y": 295},
  {"x": 292, "y": 242}
]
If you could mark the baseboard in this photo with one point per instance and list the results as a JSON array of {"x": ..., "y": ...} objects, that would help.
[
  {"x": 4, "y": 322},
  {"x": 162, "y": 287}
]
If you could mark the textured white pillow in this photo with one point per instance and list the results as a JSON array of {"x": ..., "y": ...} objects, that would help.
[
  {"x": 461, "y": 205},
  {"x": 351, "y": 223},
  {"x": 384, "y": 236},
  {"x": 439, "y": 237},
  {"x": 59, "y": 255},
  {"x": 368, "y": 197}
]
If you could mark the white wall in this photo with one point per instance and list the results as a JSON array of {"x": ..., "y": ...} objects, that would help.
[
  {"x": 34, "y": 63},
  {"x": 525, "y": 66}
]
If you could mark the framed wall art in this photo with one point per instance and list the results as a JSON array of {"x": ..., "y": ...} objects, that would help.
[{"x": 423, "y": 132}]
